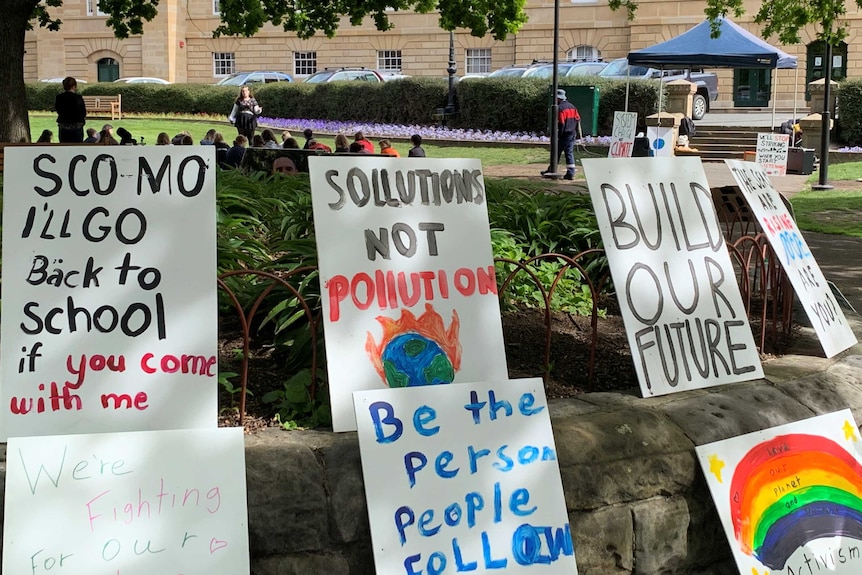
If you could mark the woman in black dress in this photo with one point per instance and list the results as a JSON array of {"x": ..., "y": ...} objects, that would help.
[{"x": 245, "y": 112}]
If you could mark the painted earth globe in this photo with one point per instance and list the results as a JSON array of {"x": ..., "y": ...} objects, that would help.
[{"x": 411, "y": 359}]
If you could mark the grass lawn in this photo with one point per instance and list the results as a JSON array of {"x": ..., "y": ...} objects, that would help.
[
  {"x": 837, "y": 211},
  {"x": 149, "y": 128}
]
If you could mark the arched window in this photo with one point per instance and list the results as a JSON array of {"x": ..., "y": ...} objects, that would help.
[
  {"x": 107, "y": 70},
  {"x": 584, "y": 53}
]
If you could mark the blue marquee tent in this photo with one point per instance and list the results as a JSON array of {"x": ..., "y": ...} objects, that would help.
[{"x": 736, "y": 47}]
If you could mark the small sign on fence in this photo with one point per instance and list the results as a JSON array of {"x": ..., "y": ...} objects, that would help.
[
  {"x": 771, "y": 153},
  {"x": 623, "y": 134}
]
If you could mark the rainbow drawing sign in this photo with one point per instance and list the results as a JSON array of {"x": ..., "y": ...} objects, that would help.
[
  {"x": 790, "y": 497},
  {"x": 685, "y": 320},
  {"x": 407, "y": 275},
  {"x": 789, "y": 245},
  {"x": 109, "y": 290},
  {"x": 138, "y": 503},
  {"x": 463, "y": 478}
]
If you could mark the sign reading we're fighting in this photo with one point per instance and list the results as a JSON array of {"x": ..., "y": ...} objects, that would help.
[
  {"x": 463, "y": 478},
  {"x": 109, "y": 289}
]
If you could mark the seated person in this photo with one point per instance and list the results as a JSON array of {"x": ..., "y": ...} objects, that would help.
[{"x": 387, "y": 150}]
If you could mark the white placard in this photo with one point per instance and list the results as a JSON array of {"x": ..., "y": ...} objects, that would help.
[
  {"x": 109, "y": 289},
  {"x": 660, "y": 141},
  {"x": 623, "y": 134},
  {"x": 771, "y": 153},
  {"x": 790, "y": 497},
  {"x": 139, "y": 503},
  {"x": 463, "y": 478},
  {"x": 407, "y": 274},
  {"x": 685, "y": 320},
  {"x": 793, "y": 252}
]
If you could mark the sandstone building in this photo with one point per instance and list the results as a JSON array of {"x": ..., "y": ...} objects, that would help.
[{"x": 178, "y": 46}]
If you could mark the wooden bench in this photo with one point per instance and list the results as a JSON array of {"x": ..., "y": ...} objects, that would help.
[{"x": 103, "y": 106}]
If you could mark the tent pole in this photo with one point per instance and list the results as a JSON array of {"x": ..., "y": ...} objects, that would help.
[
  {"x": 628, "y": 75},
  {"x": 795, "y": 92},
  {"x": 773, "y": 91}
]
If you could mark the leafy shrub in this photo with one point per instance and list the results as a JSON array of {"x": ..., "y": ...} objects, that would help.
[{"x": 850, "y": 116}]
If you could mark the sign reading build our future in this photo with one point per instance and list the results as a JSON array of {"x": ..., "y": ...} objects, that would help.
[
  {"x": 139, "y": 503},
  {"x": 406, "y": 273},
  {"x": 109, "y": 303},
  {"x": 463, "y": 478},
  {"x": 685, "y": 320},
  {"x": 793, "y": 253}
]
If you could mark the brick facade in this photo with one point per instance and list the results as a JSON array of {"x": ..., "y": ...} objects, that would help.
[{"x": 178, "y": 45}]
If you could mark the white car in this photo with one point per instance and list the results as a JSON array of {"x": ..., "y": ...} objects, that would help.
[
  {"x": 141, "y": 80},
  {"x": 60, "y": 80}
]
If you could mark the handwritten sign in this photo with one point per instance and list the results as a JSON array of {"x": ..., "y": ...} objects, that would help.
[
  {"x": 771, "y": 153},
  {"x": 623, "y": 134},
  {"x": 109, "y": 304},
  {"x": 471, "y": 478},
  {"x": 687, "y": 326},
  {"x": 789, "y": 497},
  {"x": 792, "y": 250},
  {"x": 138, "y": 503},
  {"x": 407, "y": 273}
]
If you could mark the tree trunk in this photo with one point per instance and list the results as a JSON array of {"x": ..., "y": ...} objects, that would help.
[{"x": 14, "y": 123}]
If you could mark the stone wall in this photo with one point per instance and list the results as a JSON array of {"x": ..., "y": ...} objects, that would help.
[{"x": 635, "y": 494}]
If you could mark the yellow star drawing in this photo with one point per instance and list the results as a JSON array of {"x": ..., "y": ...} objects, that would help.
[
  {"x": 715, "y": 466},
  {"x": 754, "y": 571},
  {"x": 849, "y": 430}
]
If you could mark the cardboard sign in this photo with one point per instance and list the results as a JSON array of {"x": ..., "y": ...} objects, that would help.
[
  {"x": 407, "y": 275},
  {"x": 771, "y": 153},
  {"x": 135, "y": 503},
  {"x": 623, "y": 134},
  {"x": 109, "y": 289},
  {"x": 660, "y": 141},
  {"x": 792, "y": 250},
  {"x": 463, "y": 478},
  {"x": 687, "y": 326},
  {"x": 790, "y": 497}
]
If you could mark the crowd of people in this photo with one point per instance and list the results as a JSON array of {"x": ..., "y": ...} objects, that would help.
[{"x": 72, "y": 113}]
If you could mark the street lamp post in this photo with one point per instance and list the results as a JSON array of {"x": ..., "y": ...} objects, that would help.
[
  {"x": 555, "y": 106},
  {"x": 823, "y": 170},
  {"x": 453, "y": 67}
]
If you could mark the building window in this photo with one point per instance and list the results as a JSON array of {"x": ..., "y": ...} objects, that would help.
[
  {"x": 584, "y": 54},
  {"x": 224, "y": 63},
  {"x": 216, "y": 7},
  {"x": 93, "y": 8},
  {"x": 304, "y": 63},
  {"x": 478, "y": 61},
  {"x": 389, "y": 60}
]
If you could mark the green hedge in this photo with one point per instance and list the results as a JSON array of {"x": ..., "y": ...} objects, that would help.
[
  {"x": 509, "y": 104},
  {"x": 850, "y": 112}
]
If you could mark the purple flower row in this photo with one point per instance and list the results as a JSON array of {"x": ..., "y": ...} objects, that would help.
[{"x": 404, "y": 132}]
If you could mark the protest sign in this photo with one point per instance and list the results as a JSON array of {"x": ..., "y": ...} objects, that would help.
[
  {"x": 623, "y": 134},
  {"x": 792, "y": 251},
  {"x": 685, "y": 320},
  {"x": 790, "y": 497},
  {"x": 771, "y": 153},
  {"x": 109, "y": 303},
  {"x": 137, "y": 503},
  {"x": 660, "y": 141},
  {"x": 463, "y": 478},
  {"x": 407, "y": 275}
]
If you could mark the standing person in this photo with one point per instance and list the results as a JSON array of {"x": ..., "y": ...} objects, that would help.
[
  {"x": 245, "y": 112},
  {"x": 387, "y": 150},
  {"x": 417, "y": 151},
  {"x": 568, "y": 119},
  {"x": 71, "y": 112}
]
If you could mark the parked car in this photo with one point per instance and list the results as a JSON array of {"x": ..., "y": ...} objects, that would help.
[
  {"x": 141, "y": 80},
  {"x": 60, "y": 80},
  {"x": 510, "y": 71},
  {"x": 707, "y": 82},
  {"x": 256, "y": 77},
  {"x": 341, "y": 74},
  {"x": 547, "y": 70},
  {"x": 586, "y": 69}
]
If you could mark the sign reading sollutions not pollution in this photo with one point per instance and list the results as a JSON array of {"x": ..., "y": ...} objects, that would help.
[
  {"x": 407, "y": 275},
  {"x": 685, "y": 320},
  {"x": 109, "y": 303}
]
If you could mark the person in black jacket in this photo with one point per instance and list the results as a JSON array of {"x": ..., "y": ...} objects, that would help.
[{"x": 71, "y": 112}]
